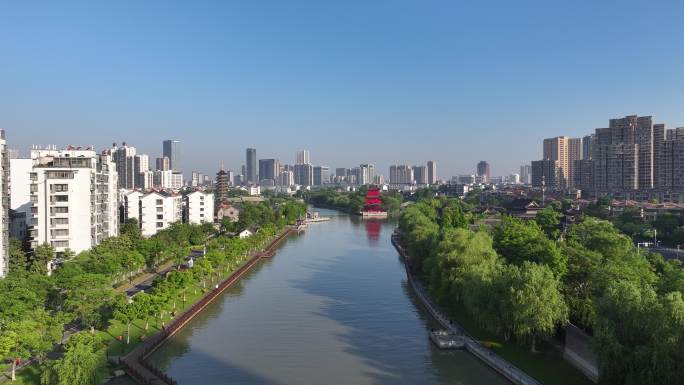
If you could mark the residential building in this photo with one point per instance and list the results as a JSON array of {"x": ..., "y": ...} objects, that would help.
[
  {"x": 303, "y": 174},
  {"x": 484, "y": 171},
  {"x": 286, "y": 178},
  {"x": 20, "y": 195},
  {"x": 431, "y": 172},
  {"x": 170, "y": 150},
  {"x": 124, "y": 157},
  {"x": 156, "y": 210},
  {"x": 366, "y": 174},
  {"x": 75, "y": 198},
  {"x": 420, "y": 175},
  {"x": 4, "y": 204},
  {"x": 302, "y": 157},
  {"x": 321, "y": 175},
  {"x": 526, "y": 174},
  {"x": 545, "y": 173},
  {"x": 566, "y": 151},
  {"x": 169, "y": 179},
  {"x": 163, "y": 163},
  {"x": 141, "y": 165},
  {"x": 199, "y": 207},
  {"x": 401, "y": 174},
  {"x": 251, "y": 166}
]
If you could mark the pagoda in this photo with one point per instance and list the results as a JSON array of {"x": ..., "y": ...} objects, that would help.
[{"x": 372, "y": 206}]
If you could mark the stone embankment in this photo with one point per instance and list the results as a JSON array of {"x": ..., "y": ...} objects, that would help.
[
  {"x": 487, "y": 356},
  {"x": 135, "y": 363}
]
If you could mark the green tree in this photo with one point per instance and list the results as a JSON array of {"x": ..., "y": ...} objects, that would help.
[
  {"x": 42, "y": 255},
  {"x": 549, "y": 221},
  {"x": 519, "y": 241},
  {"x": 87, "y": 297},
  {"x": 535, "y": 301},
  {"x": 17, "y": 257},
  {"x": 126, "y": 312},
  {"x": 84, "y": 363}
]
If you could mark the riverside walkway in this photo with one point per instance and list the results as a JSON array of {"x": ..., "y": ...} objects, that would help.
[
  {"x": 505, "y": 368},
  {"x": 135, "y": 363}
]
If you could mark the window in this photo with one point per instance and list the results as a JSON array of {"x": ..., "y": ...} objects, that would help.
[
  {"x": 59, "y": 221},
  {"x": 201, "y": 203},
  {"x": 60, "y": 243},
  {"x": 160, "y": 225},
  {"x": 59, "y": 210},
  {"x": 160, "y": 202},
  {"x": 59, "y": 198},
  {"x": 59, "y": 175},
  {"x": 60, "y": 232},
  {"x": 160, "y": 216},
  {"x": 34, "y": 188},
  {"x": 59, "y": 187},
  {"x": 201, "y": 208},
  {"x": 160, "y": 209}
]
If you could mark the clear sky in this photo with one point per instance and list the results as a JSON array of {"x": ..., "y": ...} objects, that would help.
[{"x": 353, "y": 81}]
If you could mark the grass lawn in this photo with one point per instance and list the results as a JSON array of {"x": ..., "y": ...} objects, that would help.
[{"x": 546, "y": 366}]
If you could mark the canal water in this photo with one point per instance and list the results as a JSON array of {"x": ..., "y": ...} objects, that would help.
[{"x": 332, "y": 307}]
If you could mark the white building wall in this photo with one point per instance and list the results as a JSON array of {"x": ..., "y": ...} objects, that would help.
[
  {"x": 200, "y": 206},
  {"x": 158, "y": 212}
]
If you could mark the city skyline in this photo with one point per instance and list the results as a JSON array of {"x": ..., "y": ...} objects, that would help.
[{"x": 269, "y": 78}]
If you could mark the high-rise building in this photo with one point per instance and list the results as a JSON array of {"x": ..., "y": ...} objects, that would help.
[
  {"x": 321, "y": 175},
  {"x": 367, "y": 174},
  {"x": 303, "y": 174},
  {"x": 169, "y": 179},
  {"x": 75, "y": 199},
  {"x": 401, "y": 174},
  {"x": 268, "y": 170},
  {"x": 163, "y": 163},
  {"x": 420, "y": 174},
  {"x": 484, "y": 171},
  {"x": 286, "y": 178},
  {"x": 124, "y": 157},
  {"x": 566, "y": 151},
  {"x": 624, "y": 154},
  {"x": 170, "y": 150},
  {"x": 587, "y": 147},
  {"x": 20, "y": 196},
  {"x": 526, "y": 174},
  {"x": 341, "y": 171},
  {"x": 545, "y": 172},
  {"x": 251, "y": 166},
  {"x": 431, "y": 172},
  {"x": 141, "y": 167},
  {"x": 302, "y": 157},
  {"x": 4, "y": 204}
]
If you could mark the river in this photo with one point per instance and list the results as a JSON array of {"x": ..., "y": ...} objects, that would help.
[{"x": 332, "y": 307}]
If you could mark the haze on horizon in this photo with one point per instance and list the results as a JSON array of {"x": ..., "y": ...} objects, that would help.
[{"x": 354, "y": 82}]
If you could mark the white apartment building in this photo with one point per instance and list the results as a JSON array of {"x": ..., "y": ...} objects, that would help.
[
  {"x": 154, "y": 210},
  {"x": 74, "y": 197},
  {"x": 199, "y": 207},
  {"x": 4, "y": 204},
  {"x": 168, "y": 179},
  {"x": 20, "y": 196}
]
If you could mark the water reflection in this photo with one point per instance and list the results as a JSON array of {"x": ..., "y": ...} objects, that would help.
[
  {"x": 373, "y": 228},
  {"x": 332, "y": 307}
]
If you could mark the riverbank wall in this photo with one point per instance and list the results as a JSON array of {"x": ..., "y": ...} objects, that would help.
[
  {"x": 135, "y": 363},
  {"x": 503, "y": 367}
]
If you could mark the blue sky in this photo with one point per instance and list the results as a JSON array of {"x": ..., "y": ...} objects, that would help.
[{"x": 353, "y": 81}]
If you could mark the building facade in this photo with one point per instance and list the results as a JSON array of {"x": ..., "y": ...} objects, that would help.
[
  {"x": 431, "y": 172},
  {"x": 199, "y": 207},
  {"x": 251, "y": 166},
  {"x": 170, "y": 150},
  {"x": 484, "y": 171},
  {"x": 74, "y": 198}
]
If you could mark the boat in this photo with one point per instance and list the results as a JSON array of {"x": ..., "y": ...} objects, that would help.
[{"x": 372, "y": 206}]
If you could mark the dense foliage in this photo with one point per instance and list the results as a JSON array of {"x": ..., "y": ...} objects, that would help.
[
  {"x": 524, "y": 282},
  {"x": 35, "y": 308}
]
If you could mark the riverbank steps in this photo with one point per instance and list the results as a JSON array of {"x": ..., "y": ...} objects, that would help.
[
  {"x": 503, "y": 367},
  {"x": 135, "y": 362}
]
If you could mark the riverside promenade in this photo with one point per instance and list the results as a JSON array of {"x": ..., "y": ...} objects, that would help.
[
  {"x": 135, "y": 363},
  {"x": 503, "y": 367}
]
